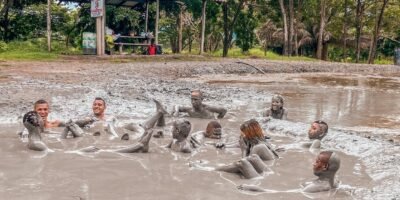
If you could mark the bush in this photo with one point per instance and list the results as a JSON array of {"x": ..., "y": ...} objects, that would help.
[{"x": 3, "y": 46}]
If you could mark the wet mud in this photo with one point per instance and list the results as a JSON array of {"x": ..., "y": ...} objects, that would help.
[{"x": 360, "y": 105}]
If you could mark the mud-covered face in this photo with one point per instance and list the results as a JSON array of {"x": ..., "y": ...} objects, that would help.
[
  {"x": 42, "y": 110},
  {"x": 315, "y": 131},
  {"x": 215, "y": 133},
  {"x": 98, "y": 107},
  {"x": 320, "y": 165},
  {"x": 276, "y": 104},
  {"x": 196, "y": 101},
  {"x": 180, "y": 130}
]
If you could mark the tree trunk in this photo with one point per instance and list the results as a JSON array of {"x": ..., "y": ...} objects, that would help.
[
  {"x": 203, "y": 25},
  {"x": 359, "y": 26},
  {"x": 374, "y": 41},
  {"x": 226, "y": 31},
  {"x": 291, "y": 29},
  {"x": 229, "y": 26},
  {"x": 180, "y": 29},
  {"x": 321, "y": 30},
  {"x": 344, "y": 36},
  {"x": 298, "y": 18},
  {"x": 285, "y": 28}
]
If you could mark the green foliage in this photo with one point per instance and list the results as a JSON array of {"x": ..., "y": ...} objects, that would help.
[
  {"x": 244, "y": 29},
  {"x": 3, "y": 46}
]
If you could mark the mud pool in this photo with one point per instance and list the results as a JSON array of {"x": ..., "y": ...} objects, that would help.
[{"x": 362, "y": 112}]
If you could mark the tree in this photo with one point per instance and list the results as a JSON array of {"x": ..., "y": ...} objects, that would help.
[
  {"x": 245, "y": 29},
  {"x": 376, "y": 33}
]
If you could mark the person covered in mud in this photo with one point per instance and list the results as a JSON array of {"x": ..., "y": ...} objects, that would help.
[
  {"x": 42, "y": 107},
  {"x": 213, "y": 131},
  {"x": 325, "y": 167},
  {"x": 276, "y": 111},
  {"x": 198, "y": 109},
  {"x": 316, "y": 133},
  {"x": 180, "y": 132},
  {"x": 255, "y": 150},
  {"x": 252, "y": 141},
  {"x": 99, "y": 107}
]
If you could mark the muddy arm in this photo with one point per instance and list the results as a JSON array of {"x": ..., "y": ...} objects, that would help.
[
  {"x": 317, "y": 187},
  {"x": 221, "y": 111},
  {"x": 179, "y": 109},
  {"x": 196, "y": 139},
  {"x": 252, "y": 188},
  {"x": 285, "y": 113},
  {"x": 131, "y": 149}
]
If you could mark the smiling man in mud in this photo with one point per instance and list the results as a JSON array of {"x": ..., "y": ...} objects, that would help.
[
  {"x": 198, "y": 109},
  {"x": 42, "y": 107}
]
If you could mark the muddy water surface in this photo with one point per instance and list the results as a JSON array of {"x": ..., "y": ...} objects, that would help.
[{"x": 359, "y": 110}]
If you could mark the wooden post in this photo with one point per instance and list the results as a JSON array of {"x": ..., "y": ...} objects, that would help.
[
  {"x": 49, "y": 25},
  {"x": 147, "y": 17},
  {"x": 100, "y": 32},
  {"x": 203, "y": 25},
  {"x": 157, "y": 18}
]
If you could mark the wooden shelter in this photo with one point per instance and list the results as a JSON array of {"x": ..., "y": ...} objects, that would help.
[{"x": 100, "y": 20}]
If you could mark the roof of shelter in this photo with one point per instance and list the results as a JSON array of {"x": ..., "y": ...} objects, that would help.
[{"x": 126, "y": 3}]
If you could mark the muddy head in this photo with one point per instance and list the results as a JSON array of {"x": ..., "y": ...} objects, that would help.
[
  {"x": 197, "y": 99},
  {"x": 181, "y": 129},
  {"x": 277, "y": 103},
  {"x": 318, "y": 130},
  {"x": 326, "y": 165},
  {"x": 99, "y": 107},
  {"x": 41, "y": 106},
  {"x": 213, "y": 130},
  {"x": 251, "y": 135}
]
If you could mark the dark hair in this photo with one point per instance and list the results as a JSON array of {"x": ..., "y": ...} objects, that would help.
[
  {"x": 323, "y": 125},
  {"x": 40, "y": 101},
  {"x": 100, "y": 99}
]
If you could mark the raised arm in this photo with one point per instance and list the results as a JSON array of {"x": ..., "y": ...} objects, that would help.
[{"x": 220, "y": 110}]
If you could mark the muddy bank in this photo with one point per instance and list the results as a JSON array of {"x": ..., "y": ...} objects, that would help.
[{"x": 358, "y": 101}]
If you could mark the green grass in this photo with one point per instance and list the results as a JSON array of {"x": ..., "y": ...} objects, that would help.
[
  {"x": 259, "y": 53},
  {"x": 36, "y": 50}
]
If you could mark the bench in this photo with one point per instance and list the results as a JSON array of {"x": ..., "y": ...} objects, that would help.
[{"x": 122, "y": 44}]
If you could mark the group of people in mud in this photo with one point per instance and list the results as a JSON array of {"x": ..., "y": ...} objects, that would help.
[{"x": 252, "y": 141}]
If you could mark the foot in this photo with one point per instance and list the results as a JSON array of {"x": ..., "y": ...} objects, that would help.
[{"x": 160, "y": 108}]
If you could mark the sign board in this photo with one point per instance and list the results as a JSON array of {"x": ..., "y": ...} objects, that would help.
[
  {"x": 96, "y": 8},
  {"x": 89, "y": 43}
]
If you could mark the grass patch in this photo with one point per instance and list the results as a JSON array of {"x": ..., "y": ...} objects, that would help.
[
  {"x": 36, "y": 50},
  {"x": 259, "y": 53}
]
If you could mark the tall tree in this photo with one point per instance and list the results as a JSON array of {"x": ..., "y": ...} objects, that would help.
[
  {"x": 229, "y": 24},
  {"x": 344, "y": 35},
  {"x": 376, "y": 33},
  {"x": 321, "y": 31},
  {"x": 285, "y": 28},
  {"x": 359, "y": 26}
]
